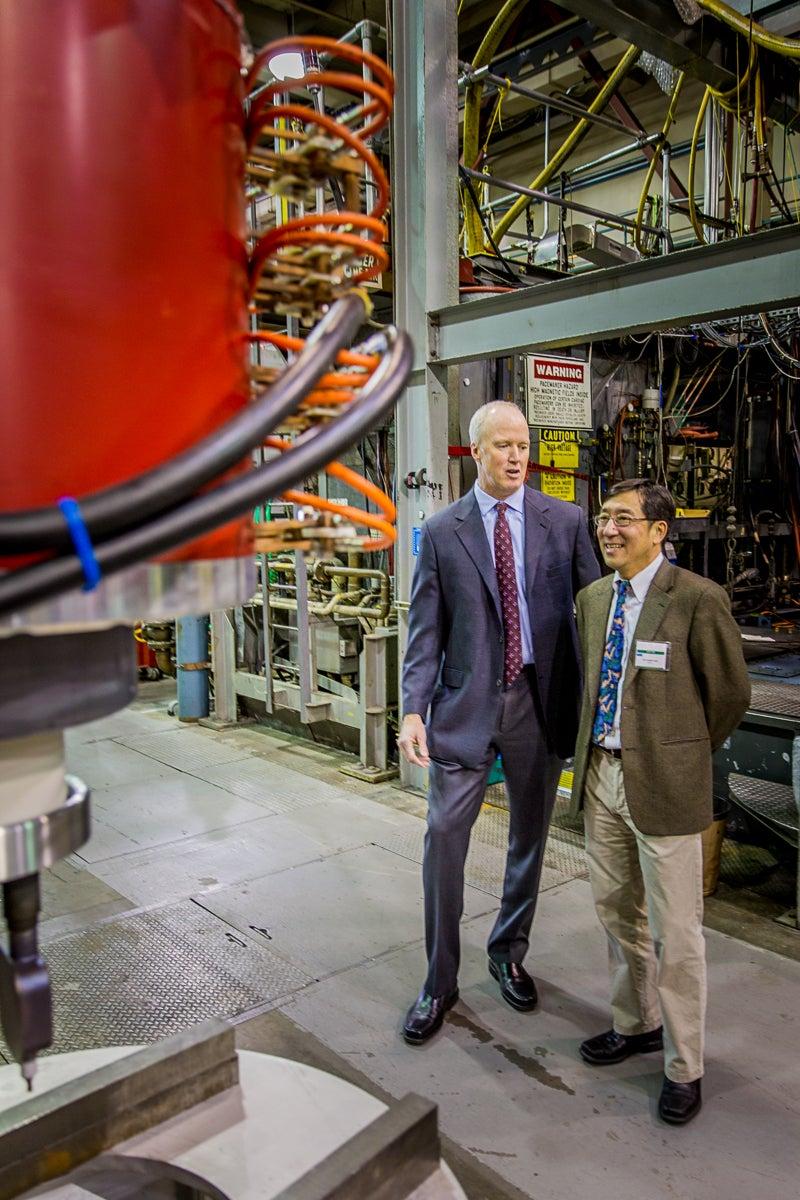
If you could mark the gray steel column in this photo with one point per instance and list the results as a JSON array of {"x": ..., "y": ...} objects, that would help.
[
  {"x": 425, "y": 261},
  {"x": 223, "y": 662}
]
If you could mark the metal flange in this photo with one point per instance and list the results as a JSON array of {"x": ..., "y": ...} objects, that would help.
[{"x": 28, "y": 846}]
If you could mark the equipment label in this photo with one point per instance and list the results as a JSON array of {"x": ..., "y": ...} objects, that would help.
[
  {"x": 559, "y": 448},
  {"x": 559, "y": 392}
]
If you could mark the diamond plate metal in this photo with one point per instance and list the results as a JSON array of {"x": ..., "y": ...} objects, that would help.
[
  {"x": 486, "y": 859},
  {"x": 772, "y": 802},
  {"x": 276, "y": 788},
  {"x": 187, "y": 750},
  {"x": 127, "y": 723},
  {"x": 780, "y": 698},
  {"x": 146, "y": 976}
]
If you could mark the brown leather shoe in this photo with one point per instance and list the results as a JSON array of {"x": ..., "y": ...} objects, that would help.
[
  {"x": 516, "y": 986},
  {"x": 613, "y": 1047},
  {"x": 679, "y": 1102},
  {"x": 426, "y": 1015}
]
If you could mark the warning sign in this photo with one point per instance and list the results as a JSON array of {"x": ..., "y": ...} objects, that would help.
[
  {"x": 559, "y": 448},
  {"x": 559, "y": 392}
]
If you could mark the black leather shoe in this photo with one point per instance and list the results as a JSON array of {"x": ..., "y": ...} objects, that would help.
[
  {"x": 516, "y": 985},
  {"x": 679, "y": 1102},
  {"x": 425, "y": 1016},
  {"x": 613, "y": 1047}
]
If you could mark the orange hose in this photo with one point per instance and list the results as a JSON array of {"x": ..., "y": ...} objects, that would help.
[
  {"x": 310, "y": 117},
  {"x": 284, "y": 341},
  {"x": 360, "y": 234},
  {"x": 308, "y": 237},
  {"x": 323, "y": 45},
  {"x": 346, "y": 475},
  {"x": 352, "y": 514}
]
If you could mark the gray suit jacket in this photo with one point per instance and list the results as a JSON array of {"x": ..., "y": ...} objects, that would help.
[
  {"x": 453, "y": 669},
  {"x": 671, "y": 721}
]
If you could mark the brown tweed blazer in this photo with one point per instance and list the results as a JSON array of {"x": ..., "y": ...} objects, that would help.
[{"x": 671, "y": 721}]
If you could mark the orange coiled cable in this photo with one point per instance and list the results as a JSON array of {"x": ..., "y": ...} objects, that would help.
[
  {"x": 361, "y": 517},
  {"x": 305, "y": 262}
]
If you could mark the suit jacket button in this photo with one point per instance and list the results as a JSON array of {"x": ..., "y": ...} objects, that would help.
[{"x": 499, "y": 683}]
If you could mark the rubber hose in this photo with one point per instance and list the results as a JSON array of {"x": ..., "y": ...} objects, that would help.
[
  {"x": 125, "y": 504},
  {"x": 19, "y": 589}
]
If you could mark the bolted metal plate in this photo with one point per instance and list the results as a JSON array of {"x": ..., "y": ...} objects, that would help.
[{"x": 144, "y": 977}]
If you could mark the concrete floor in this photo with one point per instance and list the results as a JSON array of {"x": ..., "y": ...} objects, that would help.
[{"x": 238, "y": 872}]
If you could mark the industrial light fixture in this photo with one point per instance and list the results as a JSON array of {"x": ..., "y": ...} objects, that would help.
[{"x": 288, "y": 64}]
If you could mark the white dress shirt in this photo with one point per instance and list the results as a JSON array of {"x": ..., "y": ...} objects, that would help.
[
  {"x": 639, "y": 587},
  {"x": 515, "y": 517}
]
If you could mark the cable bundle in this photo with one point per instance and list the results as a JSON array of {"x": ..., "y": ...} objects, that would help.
[{"x": 302, "y": 264}]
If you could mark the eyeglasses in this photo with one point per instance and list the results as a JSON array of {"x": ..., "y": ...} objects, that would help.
[{"x": 621, "y": 522}]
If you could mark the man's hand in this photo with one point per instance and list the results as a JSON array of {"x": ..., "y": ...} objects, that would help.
[{"x": 413, "y": 740}]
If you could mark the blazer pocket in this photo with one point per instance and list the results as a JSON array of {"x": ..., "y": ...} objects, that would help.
[
  {"x": 452, "y": 677},
  {"x": 560, "y": 568},
  {"x": 684, "y": 741}
]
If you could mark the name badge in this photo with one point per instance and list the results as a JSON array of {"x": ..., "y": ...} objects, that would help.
[{"x": 652, "y": 656}]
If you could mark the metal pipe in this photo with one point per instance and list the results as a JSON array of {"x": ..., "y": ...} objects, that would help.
[
  {"x": 546, "y": 206},
  {"x": 631, "y": 148},
  {"x": 560, "y": 103},
  {"x": 711, "y": 172},
  {"x": 357, "y": 34},
  {"x": 665, "y": 193},
  {"x": 191, "y": 657},
  {"x": 581, "y": 185},
  {"x": 560, "y": 202}
]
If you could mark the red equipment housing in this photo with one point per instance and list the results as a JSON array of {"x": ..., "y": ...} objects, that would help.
[{"x": 123, "y": 274}]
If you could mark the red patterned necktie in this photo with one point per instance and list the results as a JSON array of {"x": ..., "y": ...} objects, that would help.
[{"x": 507, "y": 583}]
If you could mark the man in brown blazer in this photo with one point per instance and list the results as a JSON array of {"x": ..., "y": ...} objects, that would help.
[{"x": 665, "y": 683}]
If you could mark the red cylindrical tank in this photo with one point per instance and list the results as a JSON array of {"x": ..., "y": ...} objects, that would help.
[{"x": 122, "y": 260}]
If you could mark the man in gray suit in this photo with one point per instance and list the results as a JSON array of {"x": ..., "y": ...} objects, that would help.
[
  {"x": 492, "y": 667},
  {"x": 665, "y": 684}
]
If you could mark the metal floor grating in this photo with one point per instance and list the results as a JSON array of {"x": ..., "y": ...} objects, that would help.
[
  {"x": 771, "y": 802},
  {"x": 146, "y": 976},
  {"x": 780, "y": 698}
]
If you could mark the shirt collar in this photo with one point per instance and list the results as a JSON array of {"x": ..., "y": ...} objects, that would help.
[
  {"x": 486, "y": 502},
  {"x": 640, "y": 582}
]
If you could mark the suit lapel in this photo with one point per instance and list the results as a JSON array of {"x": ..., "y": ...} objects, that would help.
[
  {"x": 537, "y": 526},
  {"x": 656, "y": 603},
  {"x": 470, "y": 530}
]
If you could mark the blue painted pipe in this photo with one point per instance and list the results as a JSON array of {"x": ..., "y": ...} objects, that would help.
[{"x": 191, "y": 647}]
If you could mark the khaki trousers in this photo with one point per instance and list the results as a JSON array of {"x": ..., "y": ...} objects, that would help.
[{"x": 648, "y": 892}]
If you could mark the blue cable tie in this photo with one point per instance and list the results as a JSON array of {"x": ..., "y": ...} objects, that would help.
[{"x": 81, "y": 541}]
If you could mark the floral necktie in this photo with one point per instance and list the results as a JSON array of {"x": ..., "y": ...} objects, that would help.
[
  {"x": 611, "y": 670},
  {"x": 507, "y": 584}
]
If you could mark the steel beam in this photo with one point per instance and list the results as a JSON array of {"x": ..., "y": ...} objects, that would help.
[
  {"x": 56, "y": 1131},
  {"x": 755, "y": 274},
  {"x": 654, "y": 25},
  {"x": 425, "y": 259}
]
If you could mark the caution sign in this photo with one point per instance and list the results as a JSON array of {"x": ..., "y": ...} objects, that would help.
[
  {"x": 559, "y": 392},
  {"x": 559, "y": 448}
]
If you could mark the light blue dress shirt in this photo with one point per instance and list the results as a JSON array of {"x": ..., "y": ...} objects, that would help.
[{"x": 515, "y": 516}]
